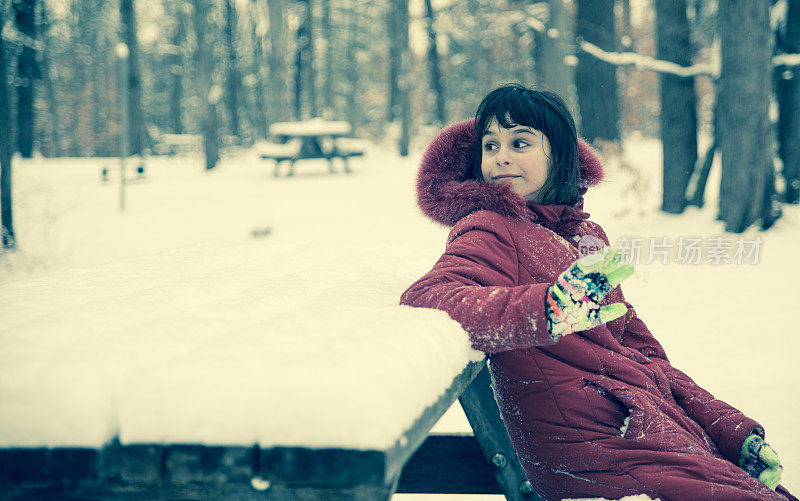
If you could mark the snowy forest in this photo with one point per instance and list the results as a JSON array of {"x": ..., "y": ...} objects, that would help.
[
  {"x": 674, "y": 69},
  {"x": 210, "y": 210}
]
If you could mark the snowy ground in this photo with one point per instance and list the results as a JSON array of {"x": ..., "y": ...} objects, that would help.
[{"x": 140, "y": 307}]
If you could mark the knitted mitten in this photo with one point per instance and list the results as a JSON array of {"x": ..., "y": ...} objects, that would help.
[
  {"x": 573, "y": 302},
  {"x": 760, "y": 461}
]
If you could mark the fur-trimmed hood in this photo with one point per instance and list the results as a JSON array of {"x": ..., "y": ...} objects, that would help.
[{"x": 444, "y": 197}]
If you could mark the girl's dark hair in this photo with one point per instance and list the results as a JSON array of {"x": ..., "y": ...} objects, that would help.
[{"x": 545, "y": 111}]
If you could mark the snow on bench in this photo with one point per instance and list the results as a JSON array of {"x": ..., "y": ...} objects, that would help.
[
  {"x": 219, "y": 346},
  {"x": 277, "y": 150}
]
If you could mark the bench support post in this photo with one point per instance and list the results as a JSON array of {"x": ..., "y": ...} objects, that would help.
[{"x": 483, "y": 415}]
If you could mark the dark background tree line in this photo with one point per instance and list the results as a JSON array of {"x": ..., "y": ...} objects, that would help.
[{"x": 228, "y": 68}]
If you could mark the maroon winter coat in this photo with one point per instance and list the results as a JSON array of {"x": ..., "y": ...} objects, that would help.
[{"x": 601, "y": 412}]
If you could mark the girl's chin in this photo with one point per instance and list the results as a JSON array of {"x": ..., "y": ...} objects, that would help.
[{"x": 532, "y": 197}]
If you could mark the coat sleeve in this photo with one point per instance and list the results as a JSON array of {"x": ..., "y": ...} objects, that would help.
[
  {"x": 475, "y": 282},
  {"x": 726, "y": 426}
]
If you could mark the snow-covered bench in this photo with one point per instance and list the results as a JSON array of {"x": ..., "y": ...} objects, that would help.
[
  {"x": 211, "y": 373},
  {"x": 312, "y": 139}
]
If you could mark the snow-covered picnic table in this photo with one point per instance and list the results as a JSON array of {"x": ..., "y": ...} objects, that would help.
[
  {"x": 236, "y": 367},
  {"x": 311, "y": 139}
]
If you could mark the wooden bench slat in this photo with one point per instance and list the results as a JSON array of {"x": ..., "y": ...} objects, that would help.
[{"x": 448, "y": 464}]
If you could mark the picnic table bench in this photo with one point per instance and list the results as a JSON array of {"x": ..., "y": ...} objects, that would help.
[{"x": 313, "y": 139}]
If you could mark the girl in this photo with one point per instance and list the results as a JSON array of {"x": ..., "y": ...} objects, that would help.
[{"x": 591, "y": 403}]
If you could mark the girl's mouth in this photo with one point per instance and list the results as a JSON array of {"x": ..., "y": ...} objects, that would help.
[{"x": 505, "y": 178}]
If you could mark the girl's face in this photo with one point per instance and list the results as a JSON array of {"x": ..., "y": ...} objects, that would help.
[{"x": 519, "y": 157}]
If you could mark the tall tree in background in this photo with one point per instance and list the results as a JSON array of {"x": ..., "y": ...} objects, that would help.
[
  {"x": 433, "y": 65},
  {"x": 304, "y": 79},
  {"x": 402, "y": 71},
  {"x": 393, "y": 101},
  {"x": 91, "y": 119},
  {"x": 520, "y": 50},
  {"x": 678, "y": 104},
  {"x": 47, "y": 80},
  {"x": 209, "y": 94},
  {"x": 624, "y": 26},
  {"x": 327, "y": 90},
  {"x": 75, "y": 77},
  {"x": 481, "y": 53},
  {"x": 351, "y": 68},
  {"x": 551, "y": 52},
  {"x": 744, "y": 133},
  {"x": 6, "y": 213},
  {"x": 175, "y": 61},
  {"x": 311, "y": 65},
  {"x": 258, "y": 110},
  {"x": 233, "y": 79},
  {"x": 787, "y": 89},
  {"x": 278, "y": 88},
  {"x": 596, "y": 80},
  {"x": 135, "y": 118},
  {"x": 26, "y": 72}
]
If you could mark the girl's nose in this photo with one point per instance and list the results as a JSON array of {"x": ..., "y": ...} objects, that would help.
[{"x": 502, "y": 158}]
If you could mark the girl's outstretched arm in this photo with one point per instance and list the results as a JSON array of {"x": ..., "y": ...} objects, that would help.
[
  {"x": 726, "y": 425},
  {"x": 476, "y": 283}
]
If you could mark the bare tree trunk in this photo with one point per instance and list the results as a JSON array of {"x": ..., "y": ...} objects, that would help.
[
  {"x": 596, "y": 80},
  {"x": 77, "y": 81},
  {"x": 433, "y": 63},
  {"x": 744, "y": 132},
  {"x": 204, "y": 61},
  {"x": 311, "y": 71},
  {"x": 279, "y": 90},
  {"x": 176, "y": 72},
  {"x": 26, "y": 68},
  {"x": 625, "y": 21},
  {"x": 258, "y": 110},
  {"x": 304, "y": 42},
  {"x": 135, "y": 119},
  {"x": 233, "y": 79},
  {"x": 404, "y": 78},
  {"x": 678, "y": 104},
  {"x": 482, "y": 76},
  {"x": 787, "y": 81},
  {"x": 50, "y": 93},
  {"x": 327, "y": 89},
  {"x": 552, "y": 48},
  {"x": 393, "y": 102},
  {"x": 351, "y": 68},
  {"x": 6, "y": 212},
  {"x": 517, "y": 32},
  {"x": 107, "y": 100},
  {"x": 86, "y": 108},
  {"x": 98, "y": 125}
]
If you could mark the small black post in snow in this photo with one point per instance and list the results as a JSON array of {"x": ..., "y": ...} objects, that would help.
[{"x": 122, "y": 53}]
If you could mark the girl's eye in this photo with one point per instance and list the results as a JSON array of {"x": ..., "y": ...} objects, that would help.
[
  {"x": 519, "y": 143},
  {"x": 489, "y": 146}
]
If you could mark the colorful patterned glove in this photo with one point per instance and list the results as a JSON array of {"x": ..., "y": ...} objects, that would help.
[
  {"x": 760, "y": 461},
  {"x": 573, "y": 302}
]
